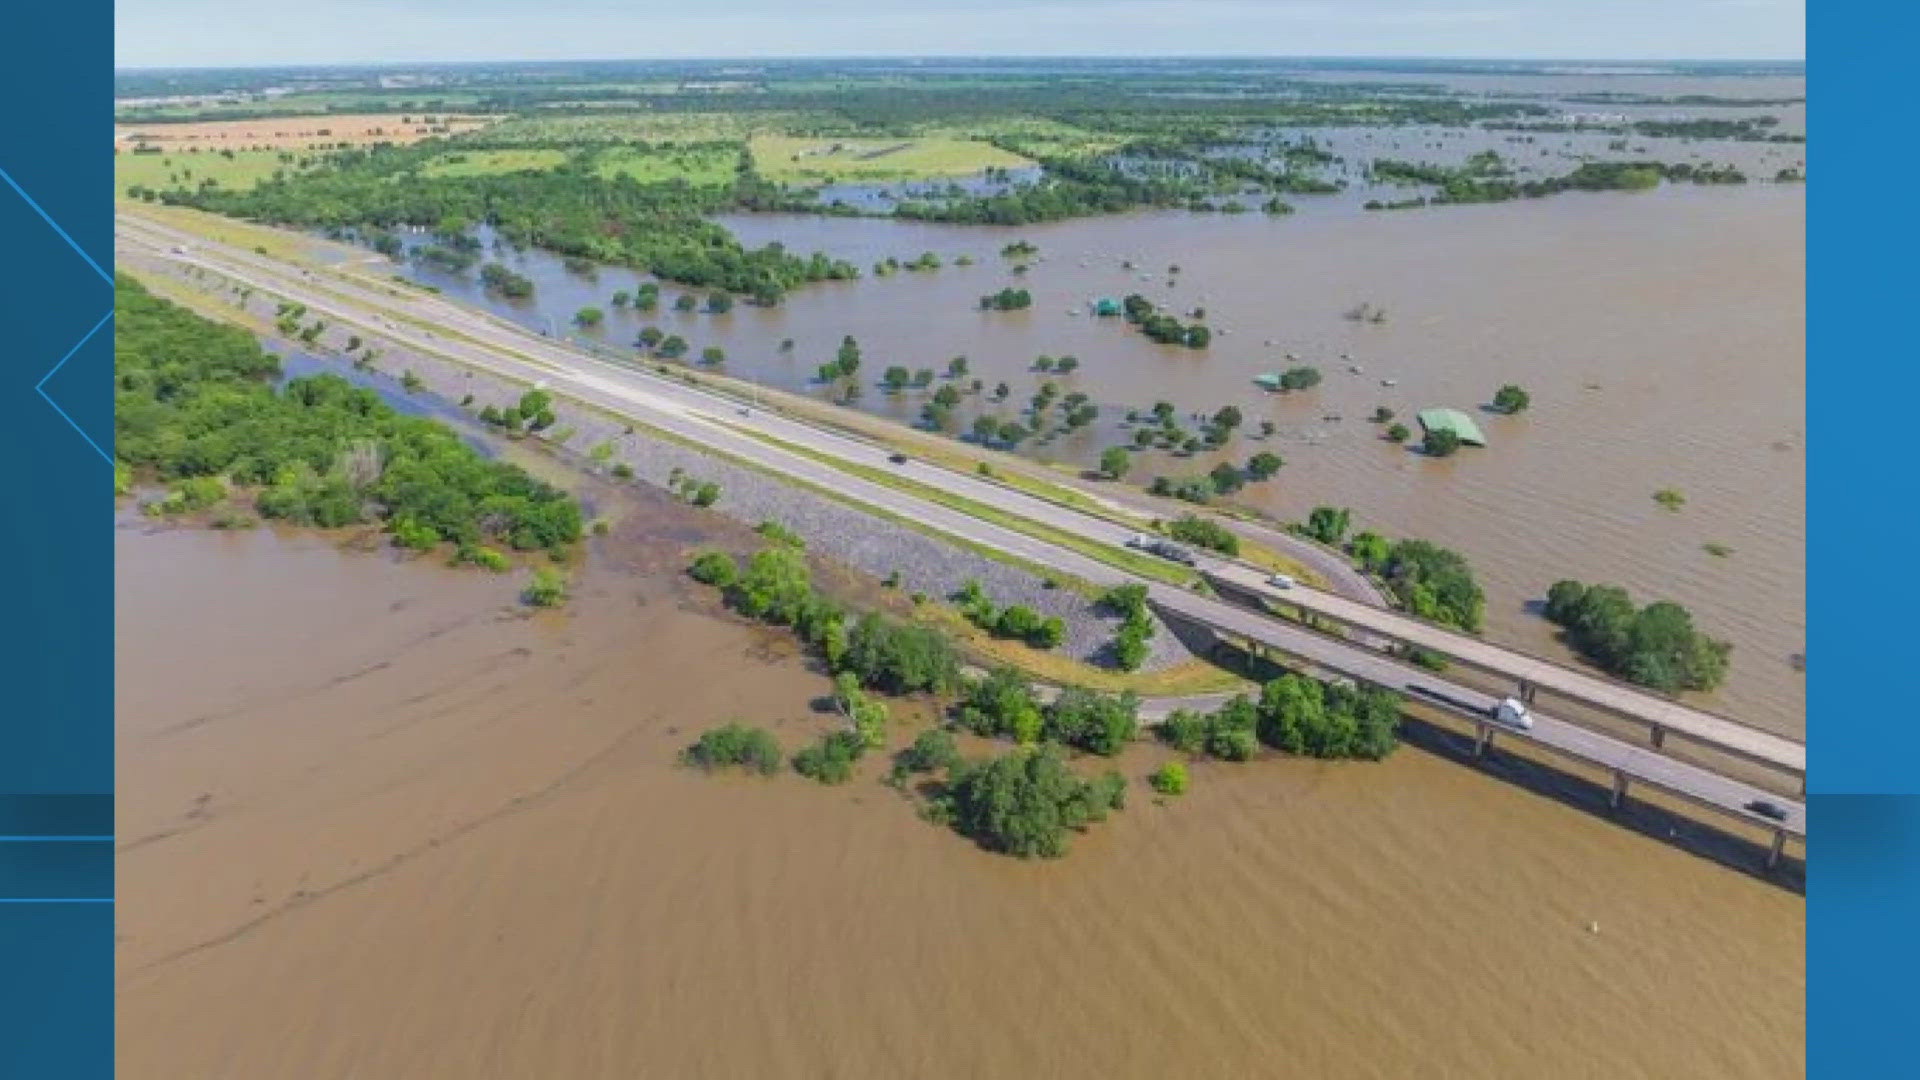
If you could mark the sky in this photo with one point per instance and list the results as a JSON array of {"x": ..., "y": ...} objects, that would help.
[{"x": 234, "y": 33}]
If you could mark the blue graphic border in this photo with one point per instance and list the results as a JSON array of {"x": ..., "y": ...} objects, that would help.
[{"x": 56, "y": 727}]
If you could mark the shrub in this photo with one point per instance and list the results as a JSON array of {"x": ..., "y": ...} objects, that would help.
[
  {"x": 547, "y": 589},
  {"x": 715, "y": 568},
  {"x": 1169, "y": 779},
  {"x": 1194, "y": 529},
  {"x": 751, "y": 748},
  {"x": 830, "y": 761}
]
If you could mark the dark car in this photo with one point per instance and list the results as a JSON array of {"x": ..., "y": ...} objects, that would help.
[
  {"x": 897, "y": 459},
  {"x": 1767, "y": 810}
]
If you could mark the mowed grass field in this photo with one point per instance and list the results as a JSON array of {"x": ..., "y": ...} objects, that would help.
[
  {"x": 793, "y": 159},
  {"x": 177, "y": 169},
  {"x": 492, "y": 162}
]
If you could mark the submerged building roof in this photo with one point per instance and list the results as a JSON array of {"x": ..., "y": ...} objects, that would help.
[{"x": 1455, "y": 421}]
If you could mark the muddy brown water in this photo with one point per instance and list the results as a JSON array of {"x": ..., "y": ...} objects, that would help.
[
  {"x": 1662, "y": 335},
  {"x": 377, "y": 821}
]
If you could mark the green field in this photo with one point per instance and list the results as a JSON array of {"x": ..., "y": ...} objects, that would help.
[
  {"x": 792, "y": 159},
  {"x": 242, "y": 170},
  {"x": 702, "y": 165},
  {"x": 492, "y": 162}
]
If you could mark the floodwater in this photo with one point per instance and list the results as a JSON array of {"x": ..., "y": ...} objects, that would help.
[
  {"x": 376, "y": 821},
  {"x": 1662, "y": 335}
]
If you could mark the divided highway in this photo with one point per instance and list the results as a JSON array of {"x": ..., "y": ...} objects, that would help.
[{"x": 728, "y": 426}]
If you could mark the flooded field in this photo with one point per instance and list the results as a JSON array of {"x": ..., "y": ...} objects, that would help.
[
  {"x": 1661, "y": 334},
  {"x": 376, "y": 820}
]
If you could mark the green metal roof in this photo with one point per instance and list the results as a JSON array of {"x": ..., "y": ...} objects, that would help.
[{"x": 1455, "y": 421}]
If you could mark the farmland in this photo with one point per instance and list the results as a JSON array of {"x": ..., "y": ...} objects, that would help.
[{"x": 328, "y": 132}]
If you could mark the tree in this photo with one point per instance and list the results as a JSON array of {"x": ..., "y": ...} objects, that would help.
[
  {"x": 621, "y": 298},
  {"x": 588, "y": 317},
  {"x": 1114, "y": 462},
  {"x": 931, "y": 751},
  {"x": 1142, "y": 438},
  {"x": 673, "y": 346},
  {"x": 1228, "y": 417},
  {"x": 1226, "y": 479},
  {"x": 1511, "y": 399},
  {"x": 1198, "y": 337},
  {"x": 1302, "y": 377},
  {"x": 986, "y": 428},
  {"x": 1328, "y": 524},
  {"x": 1435, "y": 583},
  {"x": 946, "y": 397},
  {"x": 1001, "y": 704},
  {"x": 1263, "y": 465},
  {"x": 719, "y": 303},
  {"x": 650, "y": 337},
  {"x": 1027, "y": 801},
  {"x": 1012, "y": 433},
  {"x": 849, "y": 355},
  {"x": 957, "y": 367},
  {"x": 1369, "y": 550},
  {"x": 896, "y": 378},
  {"x": 685, "y": 302},
  {"x": 713, "y": 354},
  {"x": 1441, "y": 442},
  {"x": 1067, "y": 365},
  {"x": 1097, "y": 723},
  {"x": 1398, "y": 433}
]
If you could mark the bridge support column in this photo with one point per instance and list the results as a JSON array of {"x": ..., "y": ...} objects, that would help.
[
  {"x": 1779, "y": 845},
  {"x": 1482, "y": 738},
  {"x": 1619, "y": 789},
  {"x": 1659, "y": 736},
  {"x": 1527, "y": 690}
]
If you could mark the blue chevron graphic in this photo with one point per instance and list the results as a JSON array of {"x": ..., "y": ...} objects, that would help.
[{"x": 40, "y": 387}]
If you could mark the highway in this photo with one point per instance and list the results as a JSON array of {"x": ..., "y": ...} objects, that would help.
[{"x": 726, "y": 426}]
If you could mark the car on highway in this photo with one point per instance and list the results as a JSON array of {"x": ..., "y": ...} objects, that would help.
[
  {"x": 897, "y": 459},
  {"x": 1282, "y": 581},
  {"x": 1770, "y": 811}
]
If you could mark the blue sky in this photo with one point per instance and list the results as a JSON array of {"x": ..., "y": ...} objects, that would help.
[{"x": 155, "y": 33}]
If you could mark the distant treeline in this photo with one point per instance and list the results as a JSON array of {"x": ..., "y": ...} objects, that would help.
[{"x": 1460, "y": 186}]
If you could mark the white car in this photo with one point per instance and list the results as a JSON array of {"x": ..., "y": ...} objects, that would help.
[{"x": 1281, "y": 581}]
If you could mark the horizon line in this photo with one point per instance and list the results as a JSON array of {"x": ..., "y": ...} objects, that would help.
[{"x": 1030, "y": 57}]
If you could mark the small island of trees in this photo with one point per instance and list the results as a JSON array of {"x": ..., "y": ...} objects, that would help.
[{"x": 1655, "y": 646}]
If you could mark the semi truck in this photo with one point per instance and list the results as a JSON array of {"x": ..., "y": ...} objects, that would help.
[
  {"x": 1166, "y": 549},
  {"x": 1507, "y": 712}
]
